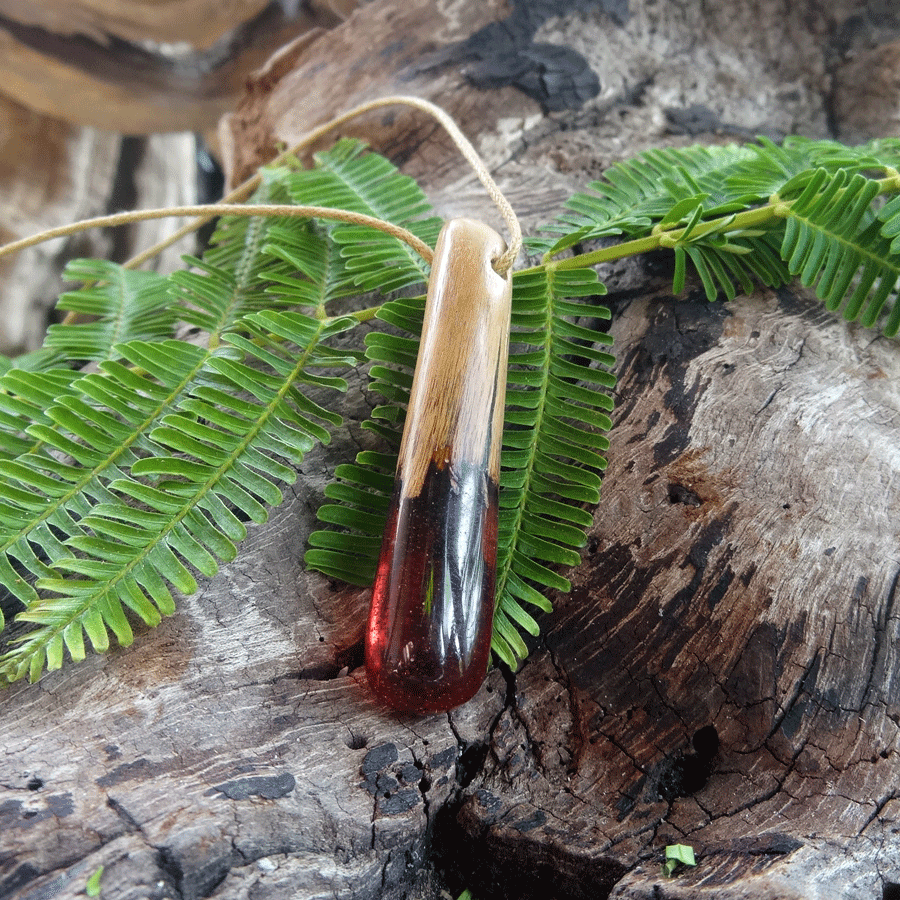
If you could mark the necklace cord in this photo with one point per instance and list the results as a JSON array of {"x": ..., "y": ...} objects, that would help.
[{"x": 227, "y": 205}]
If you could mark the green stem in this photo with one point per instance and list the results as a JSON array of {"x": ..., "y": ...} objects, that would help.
[
  {"x": 776, "y": 208},
  {"x": 361, "y": 315},
  {"x": 751, "y": 218}
]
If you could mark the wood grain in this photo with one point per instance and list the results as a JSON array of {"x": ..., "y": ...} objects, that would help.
[
  {"x": 77, "y": 173},
  {"x": 724, "y": 673},
  {"x": 696, "y": 686},
  {"x": 454, "y": 414},
  {"x": 144, "y": 67}
]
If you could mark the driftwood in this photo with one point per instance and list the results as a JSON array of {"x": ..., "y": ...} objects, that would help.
[
  {"x": 131, "y": 67},
  {"x": 723, "y": 673},
  {"x": 141, "y": 66},
  {"x": 53, "y": 173}
]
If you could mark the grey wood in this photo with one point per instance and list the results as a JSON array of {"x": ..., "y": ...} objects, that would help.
[{"x": 723, "y": 673}]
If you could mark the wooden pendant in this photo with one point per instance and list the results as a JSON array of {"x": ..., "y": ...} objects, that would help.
[{"x": 429, "y": 632}]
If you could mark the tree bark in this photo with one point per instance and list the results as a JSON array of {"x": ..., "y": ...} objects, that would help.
[{"x": 724, "y": 672}]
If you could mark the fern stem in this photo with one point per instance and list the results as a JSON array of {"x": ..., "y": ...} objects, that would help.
[
  {"x": 666, "y": 238},
  {"x": 776, "y": 208},
  {"x": 361, "y": 315},
  {"x": 243, "y": 272}
]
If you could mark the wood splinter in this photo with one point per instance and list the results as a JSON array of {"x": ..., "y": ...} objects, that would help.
[{"x": 428, "y": 638}]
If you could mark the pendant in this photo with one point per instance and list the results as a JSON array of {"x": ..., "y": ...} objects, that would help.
[{"x": 428, "y": 637}]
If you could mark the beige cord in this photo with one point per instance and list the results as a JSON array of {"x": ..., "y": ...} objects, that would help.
[
  {"x": 227, "y": 209},
  {"x": 227, "y": 206},
  {"x": 504, "y": 262}
]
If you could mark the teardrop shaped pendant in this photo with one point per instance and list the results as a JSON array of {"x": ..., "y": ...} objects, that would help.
[{"x": 428, "y": 637}]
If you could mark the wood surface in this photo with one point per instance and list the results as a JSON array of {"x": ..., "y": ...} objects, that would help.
[
  {"x": 145, "y": 66},
  {"x": 723, "y": 674},
  {"x": 53, "y": 173}
]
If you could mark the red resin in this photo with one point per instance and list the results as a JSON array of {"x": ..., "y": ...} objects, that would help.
[{"x": 428, "y": 639}]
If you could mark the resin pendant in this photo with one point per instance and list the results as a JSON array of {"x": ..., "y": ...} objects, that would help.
[{"x": 428, "y": 638}]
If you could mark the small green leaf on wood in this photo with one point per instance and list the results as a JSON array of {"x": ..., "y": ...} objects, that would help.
[
  {"x": 678, "y": 855},
  {"x": 92, "y": 888}
]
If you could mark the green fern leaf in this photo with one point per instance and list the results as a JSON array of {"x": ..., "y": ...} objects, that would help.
[
  {"x": 635, "y": 195},
  {"x": 348, "y": 178},
  {"x": 833, "y": 242},
  {"x": 124, "y": 305},
  {"x": 785, "y": 170},
  {"x": 69, "y": 490},
  {"x": 215, "y": 453},
  {"x": 761, "y": 213},
  {"x": 306, "y": 270},
  {"x": 126, "y": 430},
  {"x": 231, "y": 281}
]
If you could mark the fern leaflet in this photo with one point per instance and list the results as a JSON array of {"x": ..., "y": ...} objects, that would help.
[
  {"x": 833, "y": 242},
  {"x": 123, "y": 305}
]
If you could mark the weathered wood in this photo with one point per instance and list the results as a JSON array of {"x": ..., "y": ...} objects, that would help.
[
  {"x": 139, "y": 66},
  {"x": 363, "y": 60},
  {"x": 724, "y": 672},
  {"x": 52, "y": 173}
]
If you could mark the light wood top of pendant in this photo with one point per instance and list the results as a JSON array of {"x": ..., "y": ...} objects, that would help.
[{"x": 456, "y": 404}]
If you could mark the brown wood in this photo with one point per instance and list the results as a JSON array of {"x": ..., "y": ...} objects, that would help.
[
  {"x": 52, "y": 173},
  {"x": 139, "y": 67},
  {"x": 724, "y": 672},
  {"x": 376, "y": 62},
  {"x": 697, "y": 685},
  {"x": 197, "y": 22}
]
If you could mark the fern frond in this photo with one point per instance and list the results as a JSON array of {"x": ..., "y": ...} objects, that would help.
[
  {"x": 228, "y": 283},
  {"x": 557, "y": 407},
  {"x": 305, "y": 270},
  {"x": 124, "y": 305},
  {"x": 636, "y": 194},
  {"x": 348, "y": 178},
  {"x": 761, "y": 213},
  {"x": 663, "y": 186},
  {"x": 139, "y": 523},
  {"x": 786, "y": 169},
  {"x": 120, "y": 485},
  {"x": 46, "y": 497},
  {"x": 876, "y": 158},
  {"x": 725, "y": 260},
  {"x": 553, "y": 446},
  {"x": 833, "y": 242}
]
